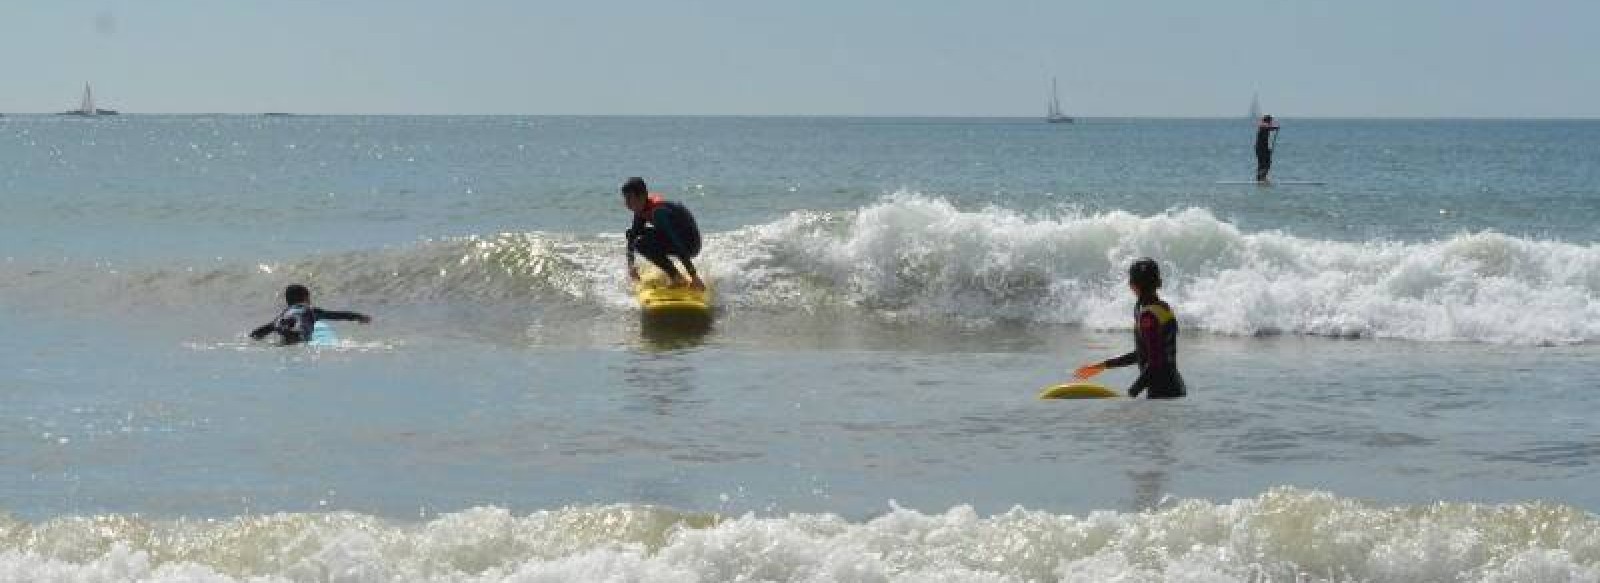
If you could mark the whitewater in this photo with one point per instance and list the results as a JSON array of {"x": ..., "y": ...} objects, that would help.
[
  {"x": 912, "y": 255},
  {"x": 1282, "y": 535}
]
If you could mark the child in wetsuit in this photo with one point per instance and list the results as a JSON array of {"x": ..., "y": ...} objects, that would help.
[
  {"x": 661, "y": 230},
  {"x": 295, "y": 322},
  {"x": 1155, "y": 336}
]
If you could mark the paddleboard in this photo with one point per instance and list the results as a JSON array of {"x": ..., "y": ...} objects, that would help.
[
  {"x": 1275, "y": 182},
  {"x": 656, "y": 296},
  {"x": 322, "y": 335},
  {"x": 1078, "y": 391}
]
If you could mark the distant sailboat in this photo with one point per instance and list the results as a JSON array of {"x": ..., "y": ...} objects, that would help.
[
  {"x": 1255, "y": 106},
  {"x": 88, "y": 109},
  {"x": 1055, "y": 115}
]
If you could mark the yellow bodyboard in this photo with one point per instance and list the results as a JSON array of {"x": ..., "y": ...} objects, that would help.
[
  {"x": 657, "y": 296},
  {"x": 1078, "y": 391}
]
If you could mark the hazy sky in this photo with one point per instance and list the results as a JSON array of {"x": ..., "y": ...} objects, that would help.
[{"x": 1491, "y": 58}]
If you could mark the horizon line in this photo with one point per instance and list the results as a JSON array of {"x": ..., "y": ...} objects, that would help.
[{"x": 836, "y": 116}]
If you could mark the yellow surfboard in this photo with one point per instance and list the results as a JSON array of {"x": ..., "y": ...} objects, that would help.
[
  {"x": 1078, "y": 391},
  {"x": 656, "y": 296}
]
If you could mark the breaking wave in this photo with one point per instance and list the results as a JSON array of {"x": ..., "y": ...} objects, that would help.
[
  {"x": 915, "y": 256},
  {"x": 1282, "y": 535}
]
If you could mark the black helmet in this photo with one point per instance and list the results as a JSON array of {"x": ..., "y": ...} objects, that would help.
[
  {"x": 1145, "y": 274},
  {"x": 635, "y": 186}
]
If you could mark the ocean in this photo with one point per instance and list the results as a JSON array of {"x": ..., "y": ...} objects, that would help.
[{"x": 1391, "y": 374}]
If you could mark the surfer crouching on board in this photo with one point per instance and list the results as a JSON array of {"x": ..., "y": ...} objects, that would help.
[
  {"x": 295, "y": 322},
  {"x": 661, "y": 230},
  {"x": 1265, "y": 132},
  {"x": 1155, "y": 339}
]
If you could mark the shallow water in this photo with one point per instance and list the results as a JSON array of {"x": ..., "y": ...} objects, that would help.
[{"x": 1379, "y": 390}]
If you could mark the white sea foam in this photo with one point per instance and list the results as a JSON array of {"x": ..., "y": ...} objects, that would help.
[
  {"x": 914, "y": 256},
  {"x": 912, "y": 253},
  {"x": 1282, "y": 535}
]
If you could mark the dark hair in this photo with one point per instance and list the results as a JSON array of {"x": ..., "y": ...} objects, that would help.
[
  {"x": 635, "y": 187},
  {"x": 1145, "y": 274},
  {"x": 296, "y": 294},
  {"x": 1266, "y": 118}
]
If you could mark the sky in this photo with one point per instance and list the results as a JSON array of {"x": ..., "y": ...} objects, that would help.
[{"x": 1179, "y": 58}]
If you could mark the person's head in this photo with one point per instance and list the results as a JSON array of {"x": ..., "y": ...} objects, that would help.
[
  {"x": 635, "y": 193},
  {"x": 1267, "y": 119},
  {"x": 296, "y": 294},
  {"x": 1144, "y": 276}
]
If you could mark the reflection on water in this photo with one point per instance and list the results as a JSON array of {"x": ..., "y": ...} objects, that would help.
[
  {"x": 660, "y": 382},
  {"x": 1150, "y": 443},
  {"x": 674, "y": 330}
]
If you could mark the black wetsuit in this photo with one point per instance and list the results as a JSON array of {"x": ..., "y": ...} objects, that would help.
[
  {"x": 664, "y": 228},
  {"x": 1264, "y": 150},
  {"x": 1155, "y": 336},
  {"x": 294, "y": 323}
]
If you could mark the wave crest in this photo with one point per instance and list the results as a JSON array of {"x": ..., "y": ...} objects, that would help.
[
  {"x": 911, "y": 253},
  {"x": 910, "y": 256}
]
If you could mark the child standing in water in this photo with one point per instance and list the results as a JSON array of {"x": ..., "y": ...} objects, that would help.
[{"x": 1155, "y": 338}]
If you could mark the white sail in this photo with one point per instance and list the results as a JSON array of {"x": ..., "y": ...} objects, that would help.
[
  {"x": 1255, "y": 106},
  {"x": 1054, "y": 115},
  {"x": 1055, "y": 100},
  {"x": 88, "y": 107}
]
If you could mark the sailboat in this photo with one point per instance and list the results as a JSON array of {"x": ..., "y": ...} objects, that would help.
[
  {"x": 1255, "y": 106},
  {"x": 1055, "y": 115},
  {"x": 88, "y": 109}
]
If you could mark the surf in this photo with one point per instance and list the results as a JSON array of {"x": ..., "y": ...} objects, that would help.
[
  {"x": 1283, "y": 534},
  {"x": 923, "y": 255},
  {"x": 912, "y": 257}
]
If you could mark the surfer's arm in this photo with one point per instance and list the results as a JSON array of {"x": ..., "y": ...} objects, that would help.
[
  {"x": 1130, "y": 358},
  {"x": 337, "y": 315},
  {"x": 262, "y": 331},
  {"x": 1121, "y": 361},
  {"x": 1088, "y": 371},
  {"x": 633, "y": 231},
  {"x": 633, "y": 272},
  {"x": 694, "y": 278}
]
